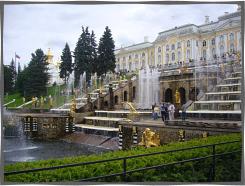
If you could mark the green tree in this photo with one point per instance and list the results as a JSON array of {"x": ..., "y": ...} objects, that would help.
[
  {"x": 37, "y": 75},
  {"x": 20, "y": 82},
  {"x": 19, "y": 68},
  {"x": 83, "y": 56},
  {"x": 66, "y": 63},
  {"x": 8, "y": 79},
  {"x": 106, "y": 57},
  {"x": 93, "y": 53},
  {"x": 13, "y": 68}
]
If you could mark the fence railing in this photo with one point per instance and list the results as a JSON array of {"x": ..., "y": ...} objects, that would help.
[{"x": 126, "y": 172}]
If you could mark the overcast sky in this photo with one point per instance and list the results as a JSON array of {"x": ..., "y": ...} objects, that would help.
[{"x": 29, "y": 27}]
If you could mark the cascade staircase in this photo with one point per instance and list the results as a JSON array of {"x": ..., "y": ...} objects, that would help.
[{"x": 224, "y": 100}]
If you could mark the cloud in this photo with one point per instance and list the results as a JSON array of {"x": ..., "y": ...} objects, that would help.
[
  {"x": 31, "y": 26},
  {"x": 56, "y": 43}
]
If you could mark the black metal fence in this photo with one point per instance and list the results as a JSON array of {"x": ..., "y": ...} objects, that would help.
[{"x": 126, "y": 172}]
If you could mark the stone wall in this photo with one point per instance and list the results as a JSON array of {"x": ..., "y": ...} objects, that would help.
[{"x": 171, "y": 133}]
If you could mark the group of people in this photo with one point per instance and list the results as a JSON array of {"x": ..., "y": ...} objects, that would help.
[{"x": 166, "y": 111}]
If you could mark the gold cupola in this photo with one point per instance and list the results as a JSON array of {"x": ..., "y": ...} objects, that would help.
[{"x": 49, "y": 56}]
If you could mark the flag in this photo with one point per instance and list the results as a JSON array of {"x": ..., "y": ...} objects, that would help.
[{"x": 16, "y": 56}]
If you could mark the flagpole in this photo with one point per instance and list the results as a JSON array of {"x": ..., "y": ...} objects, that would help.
[{"x": 15, "y": 65}]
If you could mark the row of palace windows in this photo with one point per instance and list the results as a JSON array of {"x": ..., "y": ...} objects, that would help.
[
  {"x": 232, "y": 48},
  {"x": 204, "y": 55},
  {"x": 204, "y": 43},
  {"x": 136, "y": 56}
]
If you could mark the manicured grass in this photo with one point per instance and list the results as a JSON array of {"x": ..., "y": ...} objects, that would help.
[
  {"x": 54, "y": 91},
  {"x": 227, "y": 168},
  {"x": 10, "y": 97}
]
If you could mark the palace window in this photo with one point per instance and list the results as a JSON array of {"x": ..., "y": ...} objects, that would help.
[
  {"x": 232, "y": 37},
  {"x": 197, "y": 43},
  {"x": 188, "y": 43},
  {"x": 124, "y": 59},
  {"x": 136, "y": 56},
  {"x": 179, "y": 45},
  {"x": 159, "y": 59},
  {"x": 204, "y": 43},
  {"x": 188, "y": 54},
  {"x": 129, "y": 57},
  {"x": 173, "y": 56},
  {"x": 173, "y": 47},
  {"x": 143, "y": 54},
  {"x": 221, "y": 38},
  {"x": 159, "y": 49},
  {"x": 167, "y": 48},
  {"x": 167, "y": 58},
  {"x": 213, "y": 41}
]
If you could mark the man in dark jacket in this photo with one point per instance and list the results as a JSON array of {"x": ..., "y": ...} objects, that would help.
[{"x": 163, "y": 112}]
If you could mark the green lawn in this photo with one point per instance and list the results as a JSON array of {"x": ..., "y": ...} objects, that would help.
[{"x": 54, "y": 91}]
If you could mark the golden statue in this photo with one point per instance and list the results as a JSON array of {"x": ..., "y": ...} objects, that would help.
[
  {"x": 73, "y": 106},
  {"x": 177, "y": 96},
  {"x": 181, "y": 134},
  {"x": 150, "y": 139},
  {"x": 204, "y": 134},
  {"x": 133, "y": 115}
]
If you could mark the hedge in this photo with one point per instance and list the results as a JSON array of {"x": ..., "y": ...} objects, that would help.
[{"x": 228, "y": 168}]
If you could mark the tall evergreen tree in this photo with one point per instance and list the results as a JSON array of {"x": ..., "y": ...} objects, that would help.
[
  {"x": 13, "y": 70},
  {"x": 21, "y": 81},
  {"x": 93, "y": 53},
  {"x": 19, "y": 68},
  {"x": 106, "y": 57},
  {"x": 83, "y": 56},
  {"x": 66, "y": 63},
  {"x": 8, "y": 79},
  {"x": 37, "y": 75}
]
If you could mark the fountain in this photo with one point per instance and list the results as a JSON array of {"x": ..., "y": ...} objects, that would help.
[{"x": 149, "y": 91}]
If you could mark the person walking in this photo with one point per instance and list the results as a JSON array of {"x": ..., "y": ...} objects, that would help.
[
  {"x": 166, "y": 111},
  {"x": 155, "y": 113},
  {"x": 152, "y": 110},
  {"x": 163, "y": 112}
]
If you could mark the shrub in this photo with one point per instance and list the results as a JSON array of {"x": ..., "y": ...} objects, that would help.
[{"x": 228, "y": 168}]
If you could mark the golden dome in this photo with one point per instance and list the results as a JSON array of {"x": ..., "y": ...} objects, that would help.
[{"x": 49, "y": 56}]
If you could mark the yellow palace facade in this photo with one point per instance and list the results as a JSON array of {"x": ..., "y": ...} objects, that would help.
[{"x": 186, "y": 43}]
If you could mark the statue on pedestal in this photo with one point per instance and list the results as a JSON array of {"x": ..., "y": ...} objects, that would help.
[
  {"x": 150, "y": 139},
  {"x": 177, "y": 97}
]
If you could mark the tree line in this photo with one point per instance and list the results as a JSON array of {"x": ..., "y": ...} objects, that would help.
[{"x": 88, "y": 57}]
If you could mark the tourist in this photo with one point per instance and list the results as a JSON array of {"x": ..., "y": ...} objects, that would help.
[
  {"x": 163, "y": 112},
  {"x": 183, "y": 115},
  {"x": 166, "y": 111},
  {"x": 155, "y": 113},
  {"x": 171, "y": 110},
  {"x": 152, "y": 110}
]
